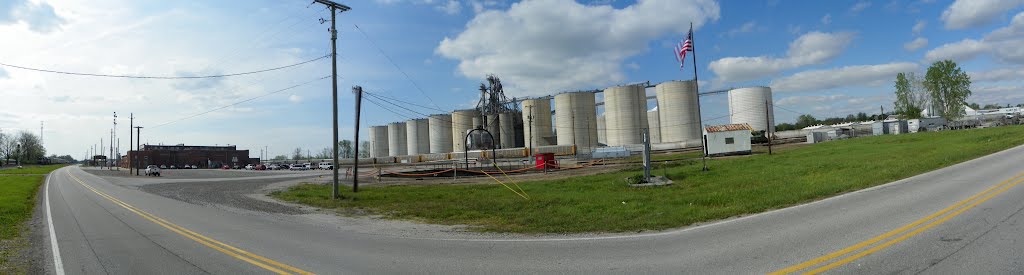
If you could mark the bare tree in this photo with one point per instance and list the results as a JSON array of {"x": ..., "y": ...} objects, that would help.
[
  {"x": 324, "y": 153},
  {"x": 297, "y": 154},
  {"x": 364, "y": 149}
]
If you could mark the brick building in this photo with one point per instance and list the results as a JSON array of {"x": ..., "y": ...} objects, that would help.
[{"x": 179, "y": 155}]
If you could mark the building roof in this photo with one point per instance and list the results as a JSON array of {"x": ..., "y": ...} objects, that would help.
[{"x": 728, "y": 127}]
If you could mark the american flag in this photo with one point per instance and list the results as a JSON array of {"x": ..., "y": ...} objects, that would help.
[{"x": 682, "y": 48}]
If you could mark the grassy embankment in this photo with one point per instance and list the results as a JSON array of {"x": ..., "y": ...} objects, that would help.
[
  {"x": 18, "y": 188},
  {"x": 734, "y": 186}
]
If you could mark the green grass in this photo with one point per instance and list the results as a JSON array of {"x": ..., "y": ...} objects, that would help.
[
  {"x": 734, "y": 186},
  {"x": 17, "y": 197},
  {"x": 33, "y": 170}
]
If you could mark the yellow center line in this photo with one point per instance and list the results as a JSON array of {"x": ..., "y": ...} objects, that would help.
[
  {"x": 237, "y": 253},
  {"x": 1006, "y": 184}
]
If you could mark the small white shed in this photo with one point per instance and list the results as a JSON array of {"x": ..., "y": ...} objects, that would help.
[{"x": 728, "y": 139}]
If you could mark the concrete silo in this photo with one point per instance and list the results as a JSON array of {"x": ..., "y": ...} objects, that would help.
[
  {"x": 506, "y": 130},
  {"x": 396, "y": 139},
  {"x": 462, "y": 122},
  {"x": 575, "y": 119},
  {"x": 677, "y": 110},
  {"x": 601, "y": 133},
  {"x": 625, "y": 110},
  {"x": 754, "y": 106},
  {"x": 537, "y": 122},
  {"x": 440, "y": 127},
  {"x": 655, "y": 126},
  {"x": 417, "y": 136},
  {"x": 378, "y": 141}
]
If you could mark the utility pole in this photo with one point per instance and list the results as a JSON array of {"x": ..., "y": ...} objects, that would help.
[
  {"x": 335, "y": 9},
  {"x": 138, "y": 147},
  {"x": 131, "y": 124},
  {"x": 41, "y": 133},
  {"x": 355, "y": 167},
  {"x": 530, "y": 118},
  {"x": 768, "y": 123}
]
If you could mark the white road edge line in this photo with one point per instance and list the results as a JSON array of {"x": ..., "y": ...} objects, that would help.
[{"x": 58, "y": 266}]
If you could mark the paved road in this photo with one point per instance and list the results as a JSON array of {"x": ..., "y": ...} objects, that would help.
[{"x": 904, "y": 227}]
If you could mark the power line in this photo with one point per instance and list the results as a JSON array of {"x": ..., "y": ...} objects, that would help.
[
  {"x": 396, "y": 66},
  {"x": 162, "y": 77},
  {"x": 406, "y": 102},
  {"x": 240, "y": 102}
]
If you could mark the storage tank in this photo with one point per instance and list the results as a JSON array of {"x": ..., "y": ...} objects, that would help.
[
  {"x": 378, "y": 141},
  {"x": 655, "y": 126},
  {"x": 396, "y": 139},
  {"x": 677, "y": 111},
  {"x": 537, "y": 122},
  {"x": 462, "y": 122},
  {"x": 575, "y": 115},
  {"x": 507, "y": 130},
  {"x": 625, "y": 114},
  {"x": 440, "y": 126},
  {"x": 601, "y": 135},
  {"x": 749, "y": 105},
  {"x": 417, "y": 136}
]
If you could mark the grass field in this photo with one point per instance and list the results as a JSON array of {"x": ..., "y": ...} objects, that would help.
[
  {"x": 734, "y": 186},
  {"x": 17, "y": 196},
  {"x": 33, "y": 170}
]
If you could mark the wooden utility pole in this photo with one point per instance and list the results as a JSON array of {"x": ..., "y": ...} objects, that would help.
[
  {"x": 355, "y": 163},
  {"x": 335, "y": 9},
  {"x": 768, "y": 126}
]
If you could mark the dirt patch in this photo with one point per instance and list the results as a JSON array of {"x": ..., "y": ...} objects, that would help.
[{"x": 235, "y": 194}]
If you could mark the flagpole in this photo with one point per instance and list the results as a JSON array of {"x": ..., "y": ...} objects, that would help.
[{"x": 696, "y": 86}]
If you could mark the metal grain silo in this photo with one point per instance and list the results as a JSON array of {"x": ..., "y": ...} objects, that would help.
[
  {"x": 575, "y": 115},
  {"x": 378, "y": 141},
  {"x": 440, "y": 127},
  {"x": 507, "y": 129},
  {"x": 417, "y": 136},
  {"x": 601, "y": 133},
  {"x": 655, "y": 126},
  {"x": 396, "y": 139},
  {"x": 752, "y": 105},
  {"x": 625, "y": 110},
  {"x": 462, "y": 122},
  {"x": 537, "y": 122},
  {"x": 677, "y": 111}
]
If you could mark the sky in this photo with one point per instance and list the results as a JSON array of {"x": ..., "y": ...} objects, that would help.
[{"x": 824, "y": 58}]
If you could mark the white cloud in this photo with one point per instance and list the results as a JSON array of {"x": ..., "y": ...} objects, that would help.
[
  {"x": 745, "y": 28},
  {"x": 998, "y": 75},
  {"x": 864, "y": 75},
  {"x": 535, "y": 58},
  {"x": 919, "y": 27},
  {"x": 813, "y": 48},
  {"x": 1013, "y": 31},
  {"x": 1003, "y": 44},
  {"x": 826, "y": 19},
  {"x": 860, "y": 6},
  {"x": 295, "y": 98},
  {"x": 958, "y": 51},
  {"x": 803, "y": 99},
  {"x": 452, "y": 7},
  {"x": 39, "y": 17},
  {"x": 964, "y": 14},
  {"x": 915, "y": 44}
]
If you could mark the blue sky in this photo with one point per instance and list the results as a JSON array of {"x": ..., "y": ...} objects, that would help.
[{"x": 825, "y": 58}]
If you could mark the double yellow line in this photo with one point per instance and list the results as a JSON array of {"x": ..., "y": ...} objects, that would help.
[
  {"x": 935, "y": 219},
  {"x": 232, "y": 251}
]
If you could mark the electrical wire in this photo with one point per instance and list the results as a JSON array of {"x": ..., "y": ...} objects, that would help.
[
  {"x": 396, "y": 66},
  {"x": 162, "y": 77},
  {"x": 406, "y": 102},
  {"x": 240, "y": 102}
]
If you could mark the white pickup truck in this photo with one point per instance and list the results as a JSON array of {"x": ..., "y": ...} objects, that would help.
[{"x": 152, "y": 170}]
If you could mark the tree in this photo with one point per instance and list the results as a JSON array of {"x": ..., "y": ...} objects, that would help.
[
  {"x": 911, "y": 95},
  {"x": 364, "y": 149},
  {"x": 862, "y": 116},
  {"x": 850, "y": 118},
  {"x": 949, "y": 88},
  {"x": 805, "y": 120},
  {"x": 280, "y": 157},
  {"x": 297, "y": 154},
  {"x": 974, "y": 106},
  {"x": 345, "y": 149},
  {"x": 325, "y": 153},
  {"x": 991, "y": 106}
]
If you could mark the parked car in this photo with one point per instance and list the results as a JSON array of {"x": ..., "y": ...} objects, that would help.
[
  {"x": 174, "y": 167},
  {"x": 195, "y": 167},
  {"x": 163, "y": 166},
  {"x": 152, "y": 170},
  {"x": 225, "y": 167},
  {"x": 236, "y": 167},
  {"x": 260, "y": 167},
  {"x": 249, "y": 166},
  {"x": 309, "y": 166},
  {"x": 326, "y": 166},
  {"x": 284, "y": 167},
  {"x": 298, "y": 167},
  {"x": 186, "y": 166},
  {"x": 274, "y": 166}
]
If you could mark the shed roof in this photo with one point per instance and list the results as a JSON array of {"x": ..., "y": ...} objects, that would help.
[{"x": 728, "y": 127}]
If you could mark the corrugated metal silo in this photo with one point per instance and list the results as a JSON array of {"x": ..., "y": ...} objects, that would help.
[
  {"x": 677, "y": 110},
  {"x": 655, "y": 126},
  {"x": 575, "y": 115},
  {"x": 625, "y": 114},
  {"x": 396, "y": 139},
  {"x": 537, "y": 122},
  {"x": 378, "y": 141},
  {"x": 440, "y": 126},
  {"x": 462, "y": 122},
  {"x": 601, "y": 133},
  {"x": 748, "y": 105},
  {"x": 417, "y": 136}
]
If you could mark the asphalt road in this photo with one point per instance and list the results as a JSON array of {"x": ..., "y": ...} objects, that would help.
[{"x": 964, "y": 219}]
